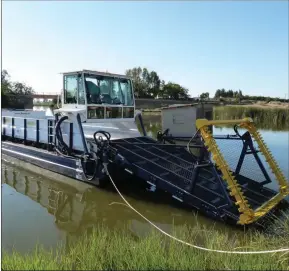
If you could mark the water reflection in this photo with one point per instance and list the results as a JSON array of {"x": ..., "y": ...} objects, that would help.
[
  {"x": 36, "y": 209},
  {"x": 152, "y": 124}
]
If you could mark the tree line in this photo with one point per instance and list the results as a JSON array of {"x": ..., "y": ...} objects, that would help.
[
  {"x": 13, "y": 93},
  {"x": 147, "y": 84},
  {"x": 222, "y": 93}
]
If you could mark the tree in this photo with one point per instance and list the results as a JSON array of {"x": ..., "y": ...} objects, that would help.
[
  {"x": 13, "y": 94},
  {"x": 218, "y": 93},
  {"x": 5, "y": 82},
  {"x": 146, "y": 83},
  {"x": 154, "y": 83},
  {"x": 21, "y": 89},
  {"x": 161, "y": 89},
  {"x": 230, "y": 93},
  {"x": 5, "y": 86},
  {"x": 240, "y": 94},
  {"x": 205, "y": 95},
  {"x": 135, "y": 74},
  {"x": 223, "y": 93},
  {"x": 175, "y": 91}
]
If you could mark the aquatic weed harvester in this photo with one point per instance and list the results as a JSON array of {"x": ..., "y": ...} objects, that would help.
[{"x": 233, "y": 178}]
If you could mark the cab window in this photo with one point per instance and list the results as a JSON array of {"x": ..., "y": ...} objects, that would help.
[
  {"x": 108, "y": 90},
  {"x": 81, "y": 93},
  {"x": 70, "y": 89}
]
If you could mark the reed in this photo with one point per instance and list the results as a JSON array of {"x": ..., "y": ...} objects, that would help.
[
  {"x": 265, "y": 118},
  {"x": 105, "y": 249}
]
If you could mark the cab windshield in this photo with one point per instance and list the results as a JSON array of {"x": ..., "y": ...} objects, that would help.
[{"x": 108, "y": 90}]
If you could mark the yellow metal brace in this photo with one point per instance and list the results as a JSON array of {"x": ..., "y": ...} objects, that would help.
[{"x": 248, "y": 215}]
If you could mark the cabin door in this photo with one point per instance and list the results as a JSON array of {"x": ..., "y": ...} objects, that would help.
[{"x": 74, "y": 93}]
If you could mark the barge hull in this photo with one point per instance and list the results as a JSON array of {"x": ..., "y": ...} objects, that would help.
[{"x": 50, "y": 161}]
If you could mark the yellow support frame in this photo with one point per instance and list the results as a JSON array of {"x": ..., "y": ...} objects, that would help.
[{"x": 248, "y": 215}]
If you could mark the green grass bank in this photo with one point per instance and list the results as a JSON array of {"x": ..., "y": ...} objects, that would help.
[{"x": 105, "y": 249}]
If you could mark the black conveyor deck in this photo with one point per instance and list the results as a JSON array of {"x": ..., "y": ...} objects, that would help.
[
  {"x": 173, "y": 169},
  {"x": 174, "y": 165}
]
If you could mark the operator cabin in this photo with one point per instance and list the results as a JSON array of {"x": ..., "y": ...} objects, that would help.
[
  {"x": 101, "y": 95},
  {"x": 104, "y": 101}
]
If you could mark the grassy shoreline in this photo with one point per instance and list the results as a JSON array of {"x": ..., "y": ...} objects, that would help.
[
  {"x": 273, "y": 106},
  {"x": 266, "y": 117},
  {"x": 104, "y": 249}
]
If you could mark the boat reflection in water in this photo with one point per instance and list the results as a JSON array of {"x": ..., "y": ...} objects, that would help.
[{"x": 77, "y": 207}]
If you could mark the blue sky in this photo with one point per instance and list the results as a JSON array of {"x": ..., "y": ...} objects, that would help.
[{"x": 200, "y": 45}]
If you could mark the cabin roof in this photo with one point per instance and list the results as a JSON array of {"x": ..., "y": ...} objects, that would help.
[
  {"x": 173, "y": 106},
  {"x": 97, "y": 73},
  {"x": 179, "y": 106}
]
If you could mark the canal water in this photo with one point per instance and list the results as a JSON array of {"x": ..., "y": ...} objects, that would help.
[{"x": 36, "y": 209}]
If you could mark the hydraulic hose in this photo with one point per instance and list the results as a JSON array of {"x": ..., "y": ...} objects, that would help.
[
  {"x": 64, "y": 150},
  {"x": 97, "y": 165},
  {"x": 102, "y": 160},
  {"x": 82, "y": 134},
  {"x": 101, "y": 154},
  {"x": 86, "y": 156},
  {"x": 59, "y": 136},
  {"x": 106, "y": 135}
]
